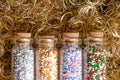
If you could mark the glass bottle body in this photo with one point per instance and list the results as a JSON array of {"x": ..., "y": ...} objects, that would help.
[
  {"x": 71, "y": 61},
  {"x": 23, "y": 60},
  {"x": 95, "y": 58},
  {"x": 46, "y": 61}
]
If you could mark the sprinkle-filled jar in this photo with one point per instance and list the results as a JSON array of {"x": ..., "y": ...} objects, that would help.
[
  {"x": 46, "y": 59},
  {"x": 23, "y": 58},
  {"x": 96, "y": 57},
  {"x": 71, "y": 57}
]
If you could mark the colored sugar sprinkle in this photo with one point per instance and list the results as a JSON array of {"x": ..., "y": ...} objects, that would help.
[
  {"x": 96, "y": 62},
  {"x": 71, "y": 62},
  {"x": 48, "y": 64},
  {"x": 23, "y": 63}
]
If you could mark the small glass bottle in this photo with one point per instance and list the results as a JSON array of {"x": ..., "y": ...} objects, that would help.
[
  {"x": 46, "y": 59},
  {"x": 95, "y": 57},
  {"x": 71, "y": 57},
  {"x": 23, "y": 58}
]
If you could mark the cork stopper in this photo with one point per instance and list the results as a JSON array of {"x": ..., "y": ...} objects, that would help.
[
  {"x": 47, "y": 37},
  {"x": 23, "y": 37},
  {"x": 96, "y": 34},
  {"x": 96, "y": 37},
  {"x": 70, "y": 35},
  {"x": 46, "y": 40}
]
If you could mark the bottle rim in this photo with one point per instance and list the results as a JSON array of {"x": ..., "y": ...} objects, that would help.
[
  {"x": 72, "y": 40},
  {"x": 24, "y": 40},
  {"x": 46, "y": 40},
  {"x": 23, "y": 35},
  {"x": 95, "y": 41},
  {"x": 98, "y": 34}
]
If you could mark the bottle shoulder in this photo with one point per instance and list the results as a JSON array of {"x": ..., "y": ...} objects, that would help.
[
  {"x": 70, "y": 48},
  {"x": 23, "y": 47}
]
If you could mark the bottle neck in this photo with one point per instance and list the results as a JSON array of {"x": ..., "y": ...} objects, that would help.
[
  {"x": 19, "y": 43},
  {"x": 94, "y": 45},
  {"x": 23, "y": 41},
  {"x": 97, "y": 44},
  {"x": 71, "y": 41},
  {"x": 46, "y": 45},
  {"x": 94, "y": 41},
  {"x": 24, "y": 46},
  {"x": 71, "y": 45}
]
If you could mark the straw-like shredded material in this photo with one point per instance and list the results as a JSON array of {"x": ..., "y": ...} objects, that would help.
[{"x": 55, "y": 17}]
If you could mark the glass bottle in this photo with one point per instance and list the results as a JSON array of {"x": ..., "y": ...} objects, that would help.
[
  {"x": 46, "y": 59},
  {"x": 71, "y": 57},
  {"x": 23, "y": 58},
  {"x": 95, "y": 57}
]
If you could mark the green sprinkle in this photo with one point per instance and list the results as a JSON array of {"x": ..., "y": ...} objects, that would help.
[
  {"x": 103, "y": 60},
  {"x": 98, "y": 58},
  {"x": 91, "y": 65},
  {"x": 94, "y": 50},
  {"x": 97, "y": 77},
  {"x": 97, "y": 44},
  {"x": 93, "y": 79},
  {"x": 95, "y": 70},
  {"x": 89, "y": 59},
  {"x": 96, "y": 66},
  {"x": 90, "y": 54}
]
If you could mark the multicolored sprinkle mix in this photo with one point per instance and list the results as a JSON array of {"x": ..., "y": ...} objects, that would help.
[
  {"x": 96, "y": 62},
  {"x": 71, "y": 62}
]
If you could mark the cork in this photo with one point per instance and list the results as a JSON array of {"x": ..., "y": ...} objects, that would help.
[
  {"x": 47, "y": 37},
  {"x": 46, "y": 45},
  {"x": 96, "y": 34},
  {"x": 46, "y": 40},
  {"x": 23, "y": 35},
  {"x": 70, "y": 35},
  {"x": 24, "y": 40}
]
